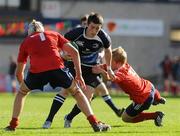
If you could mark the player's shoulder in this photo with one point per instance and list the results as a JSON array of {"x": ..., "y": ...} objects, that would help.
[
  {"x": 103, "y": 35},
  {"x": 74, "y": 33},
  {"x": 123, "y": 70},
  {"x": 51, "y": 32},
  {"x": 78, "y": 29}
]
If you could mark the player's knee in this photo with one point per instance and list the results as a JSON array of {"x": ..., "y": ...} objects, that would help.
[
  {"x": 24, "y": 89},
  {"x": 64, "y": 93},
  {"x": 102, "y": 89},
  {"x": 74, "y": 90},
  {"x": 126, "y": 118}
]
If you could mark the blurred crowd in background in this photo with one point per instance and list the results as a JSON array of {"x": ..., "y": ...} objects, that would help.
[
  {"x": 171, "y": 74},
  {"x": 146, "y": 35}
]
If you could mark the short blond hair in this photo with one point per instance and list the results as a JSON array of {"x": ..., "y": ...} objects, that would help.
[
  {"x": 119, "y": 55},
  {"x": 35, "y": 26}
]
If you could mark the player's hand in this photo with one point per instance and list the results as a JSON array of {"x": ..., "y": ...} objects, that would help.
[
  {"x": 101, "y": 69},
  {"x": 65, "y": 55},
  {"x": 98, "y": 69},
  {"x": 110, "y": 73},
  {"x": 80, "y": 81}
]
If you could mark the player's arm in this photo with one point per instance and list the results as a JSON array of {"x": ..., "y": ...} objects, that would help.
[
  {"x": 65, "y": 55},
  {"x": 73, "y": 52},
  {"x": 108, "y": 58},
  {"x": 20, "y": 72},
  {"x": 101, "y": 69},
  {"x": 21, "y": 62}
]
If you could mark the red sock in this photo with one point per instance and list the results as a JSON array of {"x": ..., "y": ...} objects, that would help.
[
  {"x": 14, "y": 123},
  {"x": 144, "y": 116},
  {"x": 92, "y": 119},
  {"x": 157, "y": 95}
]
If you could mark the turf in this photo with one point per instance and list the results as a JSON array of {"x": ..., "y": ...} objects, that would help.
[{"x": 37, "y": 106}]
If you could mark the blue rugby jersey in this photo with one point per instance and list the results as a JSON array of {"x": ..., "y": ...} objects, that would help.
[{"x": 89, "y": 48}]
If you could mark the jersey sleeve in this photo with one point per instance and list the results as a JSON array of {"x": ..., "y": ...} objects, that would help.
[
  {"x": 73, "y": 34},
  {"x": 61, "y": 41},
  {"x": 23, "y": 54},
  {"x": 118, "y": 77},
  {"x": 105, "y": 38}
]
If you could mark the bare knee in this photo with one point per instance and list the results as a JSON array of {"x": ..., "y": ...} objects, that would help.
[
  {"x": 74, "y": 89},
  {"x": 89, "y": 92},
  {"x": 102, "y": 90},
  {"x": 24, "y": 90},
  {"x": 64, "y": 93},
  {"x": 126, "y": 118}
]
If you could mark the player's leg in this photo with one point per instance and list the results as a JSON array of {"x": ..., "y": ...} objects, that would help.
[
  {"x": 89, "y": 79},
  {"x": 85, "y": 107},
  {"x": 158, "y": 99},
  {"x": 32, "y": 81},
  {"x": 63, "y": 78},
  {"x": 18, "y": 106},
  {"x": 103, "y": 91},
  {"x": 76, "y": 110},
  {"x": 56, "y": 105},
  {"x": 134, "y": 112},
  {"x": 142, "y": 116}
]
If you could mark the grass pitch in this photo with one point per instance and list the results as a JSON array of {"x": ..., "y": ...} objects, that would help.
[{"x": 38, "y": 104}]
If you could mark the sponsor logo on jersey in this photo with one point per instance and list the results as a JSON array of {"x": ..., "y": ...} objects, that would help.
[{"x": 80, "y": 43}]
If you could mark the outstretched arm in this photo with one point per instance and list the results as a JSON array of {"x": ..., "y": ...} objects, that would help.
[
  {"x": 108, "y": 59},
  {"x": 73, "y": 52}
]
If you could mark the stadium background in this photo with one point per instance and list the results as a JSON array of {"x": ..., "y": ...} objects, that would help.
[{"x": 145, "y": 28}]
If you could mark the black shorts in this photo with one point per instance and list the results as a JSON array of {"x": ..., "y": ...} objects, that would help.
[
  {"x": 56, "y": 78},
  {"x": 90, "y": 78},
  {"x": 134, "y": 109}
]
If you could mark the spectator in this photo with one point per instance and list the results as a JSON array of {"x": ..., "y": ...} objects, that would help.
[
  {"x": 12, "y": 69},
  {"x": 166, "y": 66},
  {"x": 175, "y": 76}
]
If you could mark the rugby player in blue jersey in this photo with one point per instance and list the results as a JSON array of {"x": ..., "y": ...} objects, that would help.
[{"x": 89, "y": 41}]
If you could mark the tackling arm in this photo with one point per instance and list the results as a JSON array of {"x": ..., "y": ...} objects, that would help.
[{"x": 108, "y": 59}]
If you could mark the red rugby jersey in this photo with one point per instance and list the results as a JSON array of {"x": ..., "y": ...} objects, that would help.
[
  {"x": 136, "y": 87},
  {"x": 43, "y": 51}
]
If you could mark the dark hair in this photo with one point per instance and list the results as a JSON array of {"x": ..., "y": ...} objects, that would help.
[
  {"x": 95, "y": 18},
  {"x": 84, "y": 18}
]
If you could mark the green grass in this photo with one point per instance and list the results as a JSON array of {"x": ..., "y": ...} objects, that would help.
[{"x": 37, "y": 107}]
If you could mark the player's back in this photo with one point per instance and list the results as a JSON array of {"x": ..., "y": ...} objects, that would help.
[
  {"x": 43, "y": 49},
  {"x": 137, "y": 87}
]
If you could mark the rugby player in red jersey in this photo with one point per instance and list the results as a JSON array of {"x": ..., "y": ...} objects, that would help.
[
  {"x": 141, "y": 91},
  {"x": 46, "y": 66}
]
